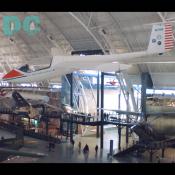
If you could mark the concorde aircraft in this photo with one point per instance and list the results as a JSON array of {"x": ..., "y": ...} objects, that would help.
[
  {"x": 161, "y": 41},
  {"x": 154, "y": 134}
]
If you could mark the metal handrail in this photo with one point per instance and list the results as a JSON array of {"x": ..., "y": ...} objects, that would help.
[
  {"x": 83, "y": 94},
  {"x": 76, "y": 89}
]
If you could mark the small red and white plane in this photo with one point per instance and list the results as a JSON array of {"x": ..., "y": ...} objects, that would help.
[
  {"x": 161, "y": 41},
  {"x": 112, "y": 82}
]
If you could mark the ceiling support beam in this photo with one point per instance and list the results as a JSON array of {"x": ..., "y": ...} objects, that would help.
[
  {"x": 88, "y": 30},
  {"x": 165, "y": 14},
  {"x": 66, "y": 46},
  {"x": 161, "y": 16},
  {"x": 117, "y": 23},
  {"x": 89, "y": 22}
]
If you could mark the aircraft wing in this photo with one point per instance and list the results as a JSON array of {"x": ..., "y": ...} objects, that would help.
[
  {"x": 158, "y": 144},
  {"x": 150, "y": 59},
  {"x": 111, "y": 67},
  {"x": 161, "y": 113},
  {"x": 68, "y": 64}
]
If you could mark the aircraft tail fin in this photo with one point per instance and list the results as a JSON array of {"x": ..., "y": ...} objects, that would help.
[{"x": 161, "y": 39}]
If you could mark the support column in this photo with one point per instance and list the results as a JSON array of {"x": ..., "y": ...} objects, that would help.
[
  {"x": 29, "y": 122},
  {"x": 102, "y": 106},
  {"x": 119, "y": 127},
  {"x": 71, "y": 91},
  {"x": 163, "y": 152},
  {"x": 61, "y": 124},
  {"x": 119, "y": 97},
  {"x": 71, "y": 128},
  {"x": 97, "y": 132},
  {"x": 146, "y": 82},
  {"x": 143, "y": 95},
  {"x": 70, "y": 79},
  {"x": 67, "y": 132},
  {"x": 47, "y": 126},
  {"x": 76, "y": 129},
  {"x": 78, "y": 100},
  {"x": 119, "y": 136},
  {"x": 127, "y": 120},
  {"x": 98, "y": 105},
  {"x": 111, "y": 147}
]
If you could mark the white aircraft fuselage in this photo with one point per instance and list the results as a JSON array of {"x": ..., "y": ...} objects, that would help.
[
  {"x": 63, "y": 65},
  {"x": 161, "y": 41}
]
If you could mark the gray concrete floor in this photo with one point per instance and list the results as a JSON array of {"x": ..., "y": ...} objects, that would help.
[
  {"x": 65, "y": 153},
  {"x": 6, "y": 134}
]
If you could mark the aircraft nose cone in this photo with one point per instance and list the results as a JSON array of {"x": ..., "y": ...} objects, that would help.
[{"x": 12, "y": 74}]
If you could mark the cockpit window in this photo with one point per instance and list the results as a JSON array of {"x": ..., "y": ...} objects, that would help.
[{"x": 25, "y": 68}]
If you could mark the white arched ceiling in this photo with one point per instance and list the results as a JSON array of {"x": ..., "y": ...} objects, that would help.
[{"x": 117, "y": 32}]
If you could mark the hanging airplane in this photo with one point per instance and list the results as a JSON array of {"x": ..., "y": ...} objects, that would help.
[
  {"x": 149, "y": 140},
  {"x": 152, "y": 137},
  {"x": 112, "y": 82},
  {"x": 161, "y": 41}
]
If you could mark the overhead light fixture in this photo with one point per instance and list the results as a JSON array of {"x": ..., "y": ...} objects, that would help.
[
  {"x": 104, "y": 32},
  {"x": 50, "y": 37},
  {"x": 114, "y": 62},
  {"x": 11, "y": 39}
]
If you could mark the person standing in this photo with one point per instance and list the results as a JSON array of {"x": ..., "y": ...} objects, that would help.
[
  {"x": 73, "y": 143},
  {"x": 96, "y": 149},
  {"x": 50, "y": 146},
  {"x": 79, "y": 146},
  {"x": 86, "y": 149},
  {"x": 158, "y": 159}
]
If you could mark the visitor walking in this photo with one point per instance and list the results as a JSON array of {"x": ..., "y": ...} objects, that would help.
[
  {"x": 79, "y": 146},
  {"x": 86, "y": 149},
  {"x": 96, "y": 149},
  {"x": 72, "y": 141}
]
